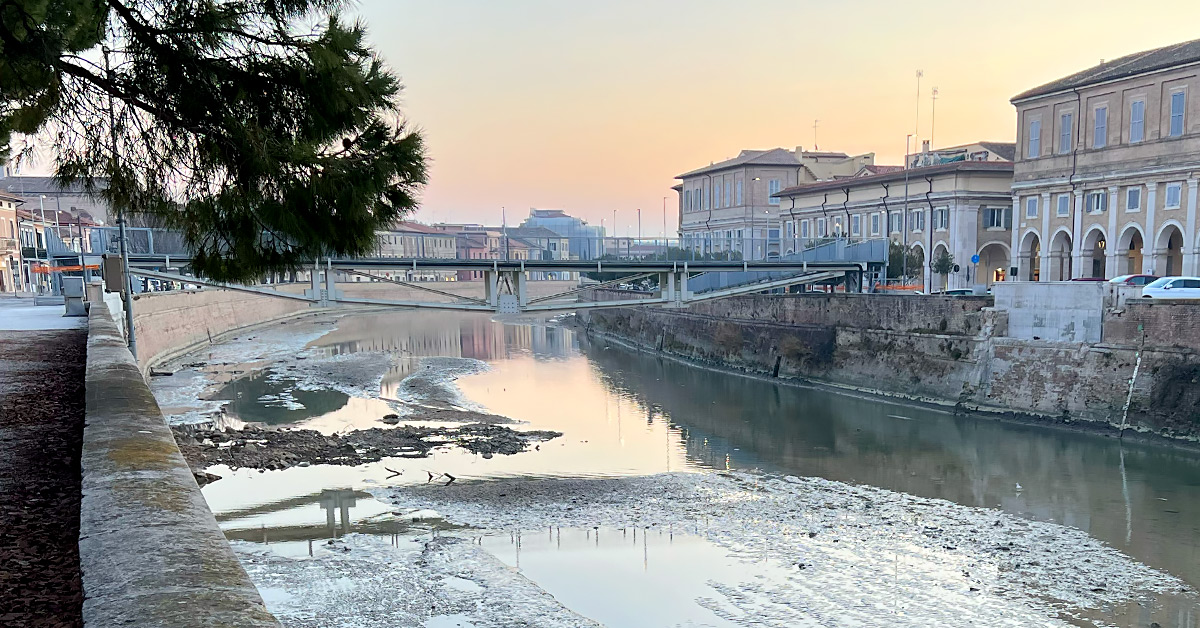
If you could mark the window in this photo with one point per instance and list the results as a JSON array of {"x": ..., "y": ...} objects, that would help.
[
  {"x": 875, "y": 224},
  {"x": 803, "y": 228},
  {"x": 918, "y": 220},
  {"x": 1097, "y": 202},
  {"x": 820, "y": 227},
  {"x": 1178, "y": 100},
  {"x": 773, "y": 189},
  {"x": 941, "y": 218},
  {"x": 1174, "y": 192},
  {"x": 739, "y": 192},
  {"x": 707, "y": 199},
  {"x": 1064, "y": 205},
  {"x": 995, "y": 217},
  {"x": 895, "y": 222},
  {"x": 728, "y": 195},
  {"x": 1035, "y": 139},
  {"x": 1137, "y": 121},
  {"x": 1031, "y": 204},
  {"x": 717, "y": 194},
  {"x": 687, "y": 200},
  {"x": 1100, "y": 131},
  {"x": 1133, "y": 199},
  {"x": 837, "y": 225},
  {"x": 856, "y": 225},
  {"x": 1064, "y": 132}
]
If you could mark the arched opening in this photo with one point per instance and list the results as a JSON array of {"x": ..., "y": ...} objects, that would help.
[
  {"x": 1168, "y": 252},
  {"x": 1095, "y": 247},
  {"x": 993, "y": 264},
  {"x": 918, "y": 268},
  {"x": 936, "y": 281},
  {"x": 1031, "y": 256},
  {"x": 1129, "y": 253},
  {"x": 1060, "y": 257}
]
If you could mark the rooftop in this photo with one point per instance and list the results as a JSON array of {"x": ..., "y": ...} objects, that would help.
[
  {"x": 1130, "y": 65},
  {"x": 772, "y": 157},
  {"x": 898, "y": 175}
]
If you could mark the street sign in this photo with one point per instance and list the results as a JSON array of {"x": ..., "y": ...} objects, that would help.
[{"x": 975, "y": 259}]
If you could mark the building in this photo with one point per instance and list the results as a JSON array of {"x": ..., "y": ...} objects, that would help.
[
  {"x": 413, "y": 240},
  {"x": 962, "y": 208},
  {"x": 1107, "y": 167},
  {"x": 731, "y": 205},
  {"x": 584, "y": 241},
  {"x": 979, "y": 151},
  {"x": 45, "y": 193},
  {"x": 10, "y": 247}
]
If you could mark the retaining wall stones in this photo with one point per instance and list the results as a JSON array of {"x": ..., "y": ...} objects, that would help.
[
  {"x": 151, "y": 552},
  {"x": 899, "y": 346}
]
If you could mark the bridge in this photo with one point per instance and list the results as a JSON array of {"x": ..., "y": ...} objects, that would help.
[{"x": 676, "y": 272}]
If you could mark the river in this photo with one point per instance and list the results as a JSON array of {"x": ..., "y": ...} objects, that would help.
[{"x": 629, "y": 414}]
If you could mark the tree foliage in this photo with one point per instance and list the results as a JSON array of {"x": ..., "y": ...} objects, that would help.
[
  {"x": 900, "y": 258},
  {"x": 943, "y": 263},
  {"x": 266, "y": 142}
]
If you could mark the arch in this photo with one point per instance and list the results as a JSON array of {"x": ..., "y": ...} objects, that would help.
[
  {"x": 1167, "y": 254},
  {"x": 994, "y": 260},
  {"x": 1129, "y": 249},
  {"x": 1031, "y": 255},
  {"x": 920, "y": 260},
  {"x": 936, "y": 281},
  {"x": 1095, "y": 248},
  {"x": 1060, "y": 255}
]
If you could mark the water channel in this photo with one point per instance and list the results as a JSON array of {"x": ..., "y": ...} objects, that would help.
[{"x": 626, "y": 414}]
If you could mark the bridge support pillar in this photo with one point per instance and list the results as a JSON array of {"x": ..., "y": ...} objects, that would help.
[
  {"x": 674, "y": 288},
  {"x": 506, "y": 290}
]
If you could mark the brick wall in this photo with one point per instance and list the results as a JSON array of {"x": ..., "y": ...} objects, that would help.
[{"x": 1164, "y": 324}]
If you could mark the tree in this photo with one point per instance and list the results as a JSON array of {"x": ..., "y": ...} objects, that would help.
[
  {"x": 266, "y": 144},
  {"x": 897, "y": 262},
  {"x": 943, "y": 264}
]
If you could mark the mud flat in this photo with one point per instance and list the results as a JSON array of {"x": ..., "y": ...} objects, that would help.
[{"x": 259, "y": 448}]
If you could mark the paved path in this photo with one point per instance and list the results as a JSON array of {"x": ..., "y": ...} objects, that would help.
[
  {"x": 22, "y": 315},
  {"x": 41, "y": 430}
]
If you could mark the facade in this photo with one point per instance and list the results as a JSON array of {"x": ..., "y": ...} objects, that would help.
[
  {"x": 979, "y": 151},
  {"x": 1107, "y": 169},
  {"x": 962, "y": 208},
  {"x": 584, "y": 241},
  {"x": 10, "y": 247},
  {"x": 409, "y": 239},
  {"x": 730, "y": 206},
  {"x": 44, "y": 192}
]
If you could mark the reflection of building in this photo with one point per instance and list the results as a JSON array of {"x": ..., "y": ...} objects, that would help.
[
  {"x": 728, "y": 206},
  {"x": 1107, "y": 169},
  {"x": 959, "y": 208}
]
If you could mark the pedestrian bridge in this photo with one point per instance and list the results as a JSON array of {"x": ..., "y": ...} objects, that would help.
[{"x": 505, "y": 282}]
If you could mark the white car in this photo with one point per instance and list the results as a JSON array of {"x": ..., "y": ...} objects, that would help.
[{"x": 1173, "y": 288}]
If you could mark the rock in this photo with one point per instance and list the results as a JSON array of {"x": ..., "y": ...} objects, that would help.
[
  {"x": 203, "y": 478},
  {"x": 391, "y": 419}
]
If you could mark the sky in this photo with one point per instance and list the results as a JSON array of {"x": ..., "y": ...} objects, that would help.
[{"x": 596, "y": 106}]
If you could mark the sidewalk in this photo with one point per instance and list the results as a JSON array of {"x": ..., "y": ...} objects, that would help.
[{"x": 42, "y": 357}]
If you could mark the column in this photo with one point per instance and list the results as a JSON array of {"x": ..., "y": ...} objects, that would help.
[
  {"x": 1190, "y": 252},
  {"x": 966, "y": 243},
  {"x": 1111, "y": 267},
  {"x": 928, "y": 251},
  {"x": 1077, "y": 239},
  {"x": 1044, "y": 241},
  {"x": 1148, "y": 238},
  {"x": 1014, "y": 253}
]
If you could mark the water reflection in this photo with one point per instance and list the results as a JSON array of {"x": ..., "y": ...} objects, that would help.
[{"x": 1143, "y": 500}]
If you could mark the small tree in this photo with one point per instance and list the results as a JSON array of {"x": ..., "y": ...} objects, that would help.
[
  {"x": 900, "y": 258},
  {"x": 943, "y": 264}
]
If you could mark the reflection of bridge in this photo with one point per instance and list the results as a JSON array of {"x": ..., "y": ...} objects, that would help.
[{"x": 505, "y": 281}]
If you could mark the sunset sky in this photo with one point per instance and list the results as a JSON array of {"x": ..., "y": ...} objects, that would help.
[{"x": 596, "y": 106}]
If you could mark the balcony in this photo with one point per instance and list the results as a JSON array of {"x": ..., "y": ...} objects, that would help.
[{"x": 8, "y": 246}]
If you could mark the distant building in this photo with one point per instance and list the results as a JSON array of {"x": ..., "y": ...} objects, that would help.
[
  {"x": 1107, "y": 169},
  {"x": 960, "y": 208},
  {"x": 413, "y": 240},
  {"x": 10, "y": 245},
  {"x": 584, "y": 240},
  {"x": 979, "y": 151},
  {"x": 44, "y": 192},
  {"x": 730, "y": 205}
]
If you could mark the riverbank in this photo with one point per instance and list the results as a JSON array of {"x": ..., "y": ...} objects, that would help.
[{"x": 941, "y": 352}]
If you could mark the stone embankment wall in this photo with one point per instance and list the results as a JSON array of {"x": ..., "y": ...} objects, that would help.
[
  {"x": 150, "y": 550},
  {"x": 950, "y": 351}
]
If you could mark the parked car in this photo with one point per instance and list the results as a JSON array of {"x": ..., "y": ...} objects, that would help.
[
  {"x": 1089, "y": 279},
  {"x": 1173, "y": 288},
  {"x": 1133, "y": 280},
  {"x": 957, "y": 292}
]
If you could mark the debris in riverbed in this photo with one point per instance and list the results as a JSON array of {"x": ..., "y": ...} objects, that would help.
[{"x": 259, "y": 448}]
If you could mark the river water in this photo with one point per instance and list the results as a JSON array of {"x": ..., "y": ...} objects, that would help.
[{"x": 630, "y": 414}]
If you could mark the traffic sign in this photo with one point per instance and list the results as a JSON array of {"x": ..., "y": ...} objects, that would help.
[{"x": 975, "y": 259}]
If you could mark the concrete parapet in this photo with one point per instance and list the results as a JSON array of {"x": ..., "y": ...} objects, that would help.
[{"x": 150, "y": 550}]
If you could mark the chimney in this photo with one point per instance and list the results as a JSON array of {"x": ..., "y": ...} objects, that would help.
[{"x": 925, "y": 146}]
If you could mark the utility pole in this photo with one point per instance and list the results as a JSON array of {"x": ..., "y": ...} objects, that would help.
[
  {"x": 933, "y": 116},
  {"x": 815, "y": 146},
  {"x": 917, "y": 122},
  {"x": 904, "y": 219},
  {"x": 121, "y": 238},
  {"x": 639, "y": 211}
]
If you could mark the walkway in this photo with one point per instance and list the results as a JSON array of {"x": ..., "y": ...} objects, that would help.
[{"x": 42, "y": 358}]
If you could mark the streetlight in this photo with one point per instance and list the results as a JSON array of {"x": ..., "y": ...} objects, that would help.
[{"x": 904, "y": 220}]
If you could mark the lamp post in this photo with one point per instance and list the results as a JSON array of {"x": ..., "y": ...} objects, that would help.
[{"x": 904, "y": 220}]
